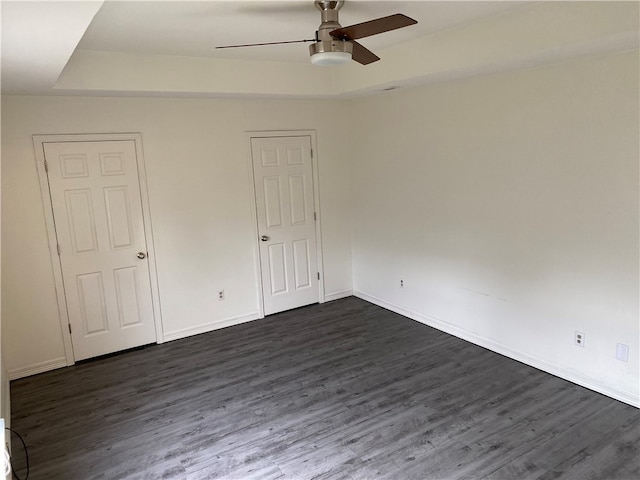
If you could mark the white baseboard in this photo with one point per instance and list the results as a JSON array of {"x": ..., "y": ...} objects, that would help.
[
  {"x": 187, "y": 332},
  {"x": 566, "y": 374},
  {"x": 328, "y": 297},
  {"x": 208, "y": 327},
  {"x": 37, "y": 368}
]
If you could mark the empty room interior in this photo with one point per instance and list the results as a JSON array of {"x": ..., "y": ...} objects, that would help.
[{"x": 397, "y": 239}]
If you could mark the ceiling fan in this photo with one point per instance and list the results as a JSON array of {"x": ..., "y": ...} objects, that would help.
[{"x": 334, "y": 44}]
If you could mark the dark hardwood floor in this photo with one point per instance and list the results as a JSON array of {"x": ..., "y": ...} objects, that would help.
[{"x": 343, "y": 390}]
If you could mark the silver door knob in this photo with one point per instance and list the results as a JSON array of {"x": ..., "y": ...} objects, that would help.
[
  {"x": 264, "y": 238},
  {"x": 141, "y": 255}
]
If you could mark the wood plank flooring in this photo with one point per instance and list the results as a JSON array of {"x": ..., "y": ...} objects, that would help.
[{"x": 343, "y": 390}]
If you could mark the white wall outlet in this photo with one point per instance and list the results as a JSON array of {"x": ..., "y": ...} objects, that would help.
[
  {"x": 220, "y": 294},
  {"x": 579, "y": 339},
  {"x": 622, "y": 352},
  {"x": 401, "y": 283}
]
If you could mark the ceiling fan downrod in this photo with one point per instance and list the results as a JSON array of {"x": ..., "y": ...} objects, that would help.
[{"x": 329, "y": 14}]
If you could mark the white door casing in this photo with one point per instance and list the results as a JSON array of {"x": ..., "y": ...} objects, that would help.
[
  {"x": 286, "y": 221},
  {"x": 97, "y": 208}
]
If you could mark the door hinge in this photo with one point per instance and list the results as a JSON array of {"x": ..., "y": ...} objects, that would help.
[
  {"x": 315, "y": 216},
  {"x": 318, "y": 275},
  {"x": 69, "y": 328},
  {"x": 58, "y": 248},
  {"x": 312, "y": 153},
  {"x": 46, "y": 166}
]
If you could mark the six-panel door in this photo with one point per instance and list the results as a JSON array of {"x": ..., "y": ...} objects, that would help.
[
  {"x": 97, "y": 209},
  {"x": 286, "y": 223}
]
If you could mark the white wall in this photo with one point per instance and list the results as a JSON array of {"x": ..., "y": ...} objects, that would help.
[
  {"x": 198, "y": 179},
  {"x": 509, "y": 206}
]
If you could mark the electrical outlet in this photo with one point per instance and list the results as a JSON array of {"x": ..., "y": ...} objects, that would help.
[
  {"x": 579, "y": 339},
  {"x": 220, "y": 294},
  {"x": 401, "y": 283},
  {"x": 622, "y": 352}
]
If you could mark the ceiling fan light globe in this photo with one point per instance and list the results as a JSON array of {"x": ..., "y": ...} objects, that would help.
[
  {"x": 330, "y": 58},
  {"x": 326, "y": 53}
]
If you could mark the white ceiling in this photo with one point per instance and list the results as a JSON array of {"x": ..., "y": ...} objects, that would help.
[
  {"x": 192, "y": 29},
  {"x": 37, "y": 40},
  {"x": 166, "y": 48}
]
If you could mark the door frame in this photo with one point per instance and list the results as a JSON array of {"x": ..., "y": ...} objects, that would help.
[
  {"x": 63, "y": 314},
  {"x": 254, "y": 208}
]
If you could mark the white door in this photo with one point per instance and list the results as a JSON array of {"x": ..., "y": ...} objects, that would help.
[
  {"x": 97, "y": 209},
  {"x": 283, "y": 177}
]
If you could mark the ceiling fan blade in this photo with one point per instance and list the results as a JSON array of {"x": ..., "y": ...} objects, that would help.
[
  {"x": 373, "y": 27},
  {"x": 363, "y": 55},
  {"x": 262, "y": 44}
]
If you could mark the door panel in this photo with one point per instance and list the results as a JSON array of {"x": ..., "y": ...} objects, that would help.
[
  {"x": 278, "y": 268},
  {"x": 301, "y": 266},
  {"x": 118, "y": 215},
  {"x": 297, "y": 199},
  {"x": 81, "y": 221},
  {"x": 97, "y": 209},
  {"x": 127, "y": 296},
  {"x": 283, "y": 178},
  {"x": 272, "y": 203},
  {"x": 93, "y": 311}
]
